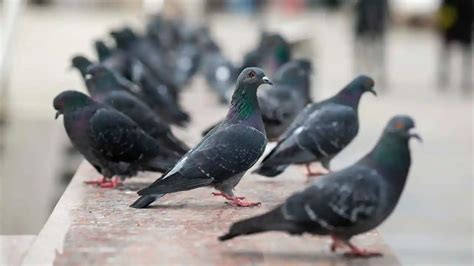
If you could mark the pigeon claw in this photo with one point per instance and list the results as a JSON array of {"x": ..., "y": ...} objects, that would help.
[
  {"x": 240, "y": 203},
  {"x": 104, "y": 182},
  {"x": 356, "y": 252}
]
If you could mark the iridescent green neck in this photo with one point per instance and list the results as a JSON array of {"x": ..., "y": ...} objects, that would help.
[
  {"x": 392, "y": 154},
  {"x": 243, "y": 104}
]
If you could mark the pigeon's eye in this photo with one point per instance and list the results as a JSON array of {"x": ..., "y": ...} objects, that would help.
[
  {"x": 399, "y": 125},
  {"x": 252, "y": 74}
]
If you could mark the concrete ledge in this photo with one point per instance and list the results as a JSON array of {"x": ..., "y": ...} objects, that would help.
[{"x": 92, "y": 226}]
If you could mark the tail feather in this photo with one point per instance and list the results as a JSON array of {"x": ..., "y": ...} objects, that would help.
[
  {"x": 270, "y": 221},
  {"x": 270, "y": 170},
  {"x": 145, "y": 201}
]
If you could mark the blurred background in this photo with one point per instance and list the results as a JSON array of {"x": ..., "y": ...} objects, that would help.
[{"x": 418, "y": 51}]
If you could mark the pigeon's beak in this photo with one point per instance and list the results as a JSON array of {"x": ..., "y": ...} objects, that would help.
[
  {"x": 373, "y": 91},
  {"x": 88, "y": 76},
  {"x": 58, "y": 113},
  {"x": 267, "y": 80},
  {"x": 415, "y": 135}
]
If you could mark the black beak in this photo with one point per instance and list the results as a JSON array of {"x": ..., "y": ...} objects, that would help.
[
  {"x": 58, "y": 113},
  {"x": 267, "y": 80},
  {"x": 416, "y": 136},
  {"x": 373, "y": 91}
]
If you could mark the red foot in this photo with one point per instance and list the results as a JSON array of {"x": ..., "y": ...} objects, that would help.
[
  {"x": 104, "y": 182},
  {"x": 240, "y": 203},
  {"x": 227, "y": 197},
  {"x": 360, "y": 253}
]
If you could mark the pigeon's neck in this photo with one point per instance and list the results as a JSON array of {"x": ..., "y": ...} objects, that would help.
[
  {"x": 391, "y": 157},
  {"x": 349, "y": 97},
  {"x": 244, "y": 108}
]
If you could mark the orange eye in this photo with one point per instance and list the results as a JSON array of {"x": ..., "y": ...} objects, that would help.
[
  {"x": 399, "y": 125},
  {"x": 251, "y": 74}
]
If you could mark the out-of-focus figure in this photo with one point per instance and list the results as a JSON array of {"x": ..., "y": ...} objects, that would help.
[
  {"x": 371, "y": 19},
  {"x": 455, "y": 21}
]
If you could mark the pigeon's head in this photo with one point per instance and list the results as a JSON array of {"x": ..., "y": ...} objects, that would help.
[
  {"x": 81, "y": 63},
  {"x": 69, "y": 101},
  {"x": 364, "y": 83},
  {"x": 293, "y": 72},
  {"x": 402, "y": 126},
  {"x": 252, "y": 77},
  {"x": 124, "y": 37}
]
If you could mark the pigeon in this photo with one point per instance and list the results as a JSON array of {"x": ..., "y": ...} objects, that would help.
[
  {"x": 160, "y": 97},
  {"x": 348, "y": 202},
  {"x": 225, "y": 154},
  {"x": 109, "y": 140},
  {"x": 281, "y": 103},
  {"x": 144, "y": 49},
  {"x": 271, "y": 53},
  {"x": 319, "y": 132},
  {"x": 115, "y": 59},
  {"x": 219, "y": 72},
  {"x": 157, "y": 98},
  {"x": 104, "y": 87},
  {"x": 81, "y": 63}
]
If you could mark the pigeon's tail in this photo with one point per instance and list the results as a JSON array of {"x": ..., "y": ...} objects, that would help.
[
  {"x": 270, "y": 221},
  {"x": 145, "y": 201},
  {"x": 207, "y": 130},
  {"x": 270, "y": 170}
]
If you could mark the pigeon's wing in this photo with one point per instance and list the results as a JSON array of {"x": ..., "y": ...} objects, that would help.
[
  {"x": 299, "y": 120},
  {"x": 223, "y": 153},
  {"x": 118, "y": 138},
  {"x": 328, "y": 130},
  {"x": 324, "y": 133},
  {"x": 339, "y": 200}
]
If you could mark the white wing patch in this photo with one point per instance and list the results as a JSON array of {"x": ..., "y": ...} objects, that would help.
[{"x": 177, "y": 167}]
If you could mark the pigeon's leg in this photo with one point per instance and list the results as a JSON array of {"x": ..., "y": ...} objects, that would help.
[
  {"x": 98, "y": 182},
  {"x": 113, "y": 183},
  {"x": 227, "y": 197},
  {"x": 320, "y": 171},
  {"x": 361, "y": 253},
  {"x": 336, "y": 243}
]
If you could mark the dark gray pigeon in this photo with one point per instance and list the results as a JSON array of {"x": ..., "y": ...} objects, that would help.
[
  {"x": 270, "y": 54},
  {"x": 115, "y": 59},
  {"x": 161, "y": 97},
  {"x": 225, "y": 154},
  {"x": 319, "y": 132},
  {"x": 144, "y": 49},
  {"x": 103, "y": 87},
  {"x": 219, "y": 72},
  {"x": 347, "y": 202},
  {"x": 109, "y": 140},
  {"x": 281, "y": 103}
]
